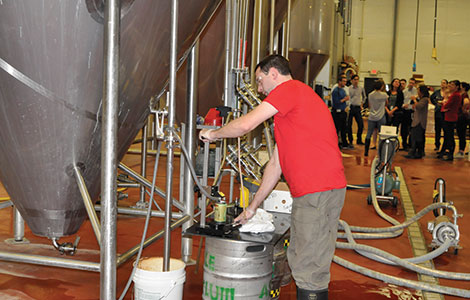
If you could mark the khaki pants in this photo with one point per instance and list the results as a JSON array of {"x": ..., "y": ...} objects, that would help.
[{"x": 314, "y": 227}]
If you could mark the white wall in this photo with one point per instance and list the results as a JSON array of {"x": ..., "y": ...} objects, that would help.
[{"x": 374, "y": 49}]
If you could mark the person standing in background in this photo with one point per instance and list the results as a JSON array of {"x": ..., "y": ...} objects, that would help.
[
  {"x": 338, "y": 110},
  {"x": 462, "y": 122},
  {"x": 436, "y": 99},
  {"x": 410, "y": 94},
  {"x": 357, "y": 96},
  {"x": 377, "y": 101},
  {"x": 403, "y": 84},
  {"x": 418, "y": 125},
  {"x": 395, "y": 103},
  {"x": 450, "y": 108}
]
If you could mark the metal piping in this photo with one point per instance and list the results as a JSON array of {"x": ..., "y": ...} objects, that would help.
[
  {"x": 171, "y": 124},
  {"x": 188, "y": 189},
  {"x": 148, "y": 184},
  {"x": 256, "y": 38},
  {"x": 394, "y": 39},
  {"x": 131, "y": 252},
  {"x": 141, "y": 212},
  {"x": 286, "y": 55},
  {"x": 143, "y": 163},
  {"x": 228, "y": 49},
  {"x": 18, "y": 225},
  {"x": 271, "y": 27},
  {"x": 50, "y": 261},
  {"x": 95, "y": 222},
  {"x": 235, "y": 46},
  {"x": 109, "y": 149}
]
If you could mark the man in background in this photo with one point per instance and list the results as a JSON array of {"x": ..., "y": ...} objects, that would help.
[
  {"x": 357, "y": 96},
  {"x": 410, "y": 94}
]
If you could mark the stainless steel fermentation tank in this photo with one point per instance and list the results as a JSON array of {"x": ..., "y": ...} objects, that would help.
[{"x": 51, "y": 66}]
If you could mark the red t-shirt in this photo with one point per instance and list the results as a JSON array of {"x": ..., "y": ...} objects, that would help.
[
  {"x": 451, "y": 108},
  {"x": 306, "y": 140}
]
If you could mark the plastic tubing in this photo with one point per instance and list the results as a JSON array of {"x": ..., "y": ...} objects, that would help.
[{"x": 402, "y": 282}]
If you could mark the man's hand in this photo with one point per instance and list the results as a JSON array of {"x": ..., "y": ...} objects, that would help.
[
  {"x": 205, "y": 135},
  {"x": 245, "y": 216}
]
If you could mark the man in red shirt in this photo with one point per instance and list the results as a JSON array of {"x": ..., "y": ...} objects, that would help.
[
  {"x": 450, "y": 108},
  {"x": 307, "y": 154}
]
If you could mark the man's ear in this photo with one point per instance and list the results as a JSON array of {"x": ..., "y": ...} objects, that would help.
[{"x": 274, "y": 73}]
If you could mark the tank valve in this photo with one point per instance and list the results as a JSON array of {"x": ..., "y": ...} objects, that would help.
[{"x": 66, "y": 248}]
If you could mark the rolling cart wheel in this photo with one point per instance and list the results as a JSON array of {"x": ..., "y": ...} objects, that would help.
[
  {"x": 369, "y": 199},
  {"x": 395, "y": 201}
]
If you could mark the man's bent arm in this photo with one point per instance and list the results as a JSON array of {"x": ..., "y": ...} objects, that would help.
[
  {"x": 242, "y": 125},
  {"x": 271, "y": 175}
]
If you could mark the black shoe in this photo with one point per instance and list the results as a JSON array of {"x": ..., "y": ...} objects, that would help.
[
  {"x": 311, "y": 295},
  {"x": 359, "y": 143},
  {"x": 440, "y": 154},
  {"x": 448, "y": 158},
  {"x": 412, "y": 156},
  {"x": 436, "y": 149},
  {"x": 373, "y": 148}
]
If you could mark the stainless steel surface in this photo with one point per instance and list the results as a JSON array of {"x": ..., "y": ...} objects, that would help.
[
  {"x": 50, "y": 104},
  {"x": 259, "y": 35},
  {"x": 169, "y": 136},
  {"x": 287, "y": 29},
  {"x": 95, "y": 222},
  {"x": 238, "y": 269},
  {"x": 109, "y": 138},
  {"x": 18, "y": 225},
  {"x": 190, "y": 144},
  {"x": 50, "y": 261},
  {"x": 228, "y": 53},
  {"x": 148, "y": 184},
  {"x": 141, "y": 212},
  {"x": 131, "y": 252},
  {"x": 271, "y": 26},
  {"x": 311, "y": 32},
  {"x": 143, "y": 165}
]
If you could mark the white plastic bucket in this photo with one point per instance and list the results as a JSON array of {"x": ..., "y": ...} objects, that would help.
[{"x": 150, "y": 282}]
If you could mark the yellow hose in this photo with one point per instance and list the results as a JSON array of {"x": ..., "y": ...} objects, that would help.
[{"x": 4, "y": 198}]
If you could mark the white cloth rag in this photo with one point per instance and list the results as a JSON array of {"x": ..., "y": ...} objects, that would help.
[{"x": 262, "y": 221}]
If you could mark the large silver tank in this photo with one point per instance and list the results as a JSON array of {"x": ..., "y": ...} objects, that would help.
[
  {"x": 51, "y": 54},
  {"x": 237, "y": 270},
  {"x": 311, "y": 31}
]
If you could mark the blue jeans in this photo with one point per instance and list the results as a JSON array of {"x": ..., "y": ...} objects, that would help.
[{"x": 371, "y": 125}]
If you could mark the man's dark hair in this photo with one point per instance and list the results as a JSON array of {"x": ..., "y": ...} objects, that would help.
[
  {"x": 445, "y": 80},
  {"x": 424, "y": 90},
  {"x": 456, "y": 82},
  {"x": 465, "y": 86},
  {"x": 341, "y": 77},
  {"x": 274, "y": 61},
  {"x": 378, "y": 84},
  {"x": 355, "y": 76},
  {"x": 403, "y": 79},
  {"x": 412, "y": 79}
]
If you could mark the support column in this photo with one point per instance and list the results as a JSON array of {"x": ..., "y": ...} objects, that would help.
[
  {"x": 169, "y": 140},
  {"x": 190, "y": 144},
  {"x": 109, "y": 150}
]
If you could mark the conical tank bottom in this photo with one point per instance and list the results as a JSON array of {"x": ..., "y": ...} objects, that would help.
[{"x": 51, "y": 70}]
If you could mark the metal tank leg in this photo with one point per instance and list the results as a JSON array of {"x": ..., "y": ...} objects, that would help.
[
  {"x": 190, "y": 144},
  {"x": 109, "y": 150},
  {"x": 169, "y": 140},
  {"x": 18, "y": 229},
  {"x": 143, "y": 163}
]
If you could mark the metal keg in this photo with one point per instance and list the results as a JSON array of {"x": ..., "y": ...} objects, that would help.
[{"x": 237, "y": 270}]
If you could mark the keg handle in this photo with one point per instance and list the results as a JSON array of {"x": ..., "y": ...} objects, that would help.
[{"x": 257, "y": 248}]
